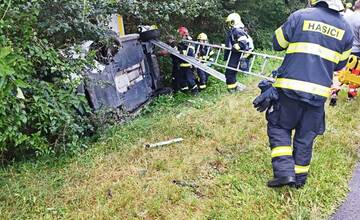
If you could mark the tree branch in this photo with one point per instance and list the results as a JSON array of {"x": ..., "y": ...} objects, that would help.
[{"x": 6, "y": 10}]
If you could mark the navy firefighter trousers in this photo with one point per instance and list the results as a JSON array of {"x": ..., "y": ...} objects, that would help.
[
  {"x": 231, "y": 74},
  {"x": 292, "y": 156}
]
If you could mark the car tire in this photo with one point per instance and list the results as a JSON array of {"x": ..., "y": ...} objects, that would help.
[{"x": 150, "y": 35}]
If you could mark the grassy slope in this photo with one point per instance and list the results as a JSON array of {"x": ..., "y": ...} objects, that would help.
[{"x": 220, "y": 170}]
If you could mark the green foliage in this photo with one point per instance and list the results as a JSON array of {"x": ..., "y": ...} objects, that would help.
[
  {"x": 260, "y": 17},
  {"x": 39, "y": 107}
]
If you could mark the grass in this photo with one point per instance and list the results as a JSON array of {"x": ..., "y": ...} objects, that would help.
[{"x": 218, "y": 172}]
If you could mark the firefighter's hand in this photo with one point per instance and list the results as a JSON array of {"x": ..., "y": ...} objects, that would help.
[
  {"x": 265, "y": 85},
  {"x": 162, "y": 53},
  {"x": 265, "y": 99},
  {"x": 247, "y": 55},
  {"x": 261, "y": 104},
  {"x": 237, "y": 47}
]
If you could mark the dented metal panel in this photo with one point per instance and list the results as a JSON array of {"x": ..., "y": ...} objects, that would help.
[
  {"x": 131, "y": 52},
  {"x": 101, "y": 91},
  {"x": 128, "y": 81}
]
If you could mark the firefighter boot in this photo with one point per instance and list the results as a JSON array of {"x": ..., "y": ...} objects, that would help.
[
  {"x": 235, "y": 90},
  {"x": 195, "y": 91},
  {"x": 301, "y": 180},
  {"x": 333, "y": 101},
  {"x": 282, "y": 181}
]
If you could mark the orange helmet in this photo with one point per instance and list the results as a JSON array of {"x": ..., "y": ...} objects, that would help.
[{"x": 183, "y": 31}]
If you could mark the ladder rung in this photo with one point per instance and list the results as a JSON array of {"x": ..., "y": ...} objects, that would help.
[
  {"x": 207, "y": 52},
  {"x": 252, "y": 63},
  {"x": 264, "y": 65},
  {"x": 239, "y": 63},
  {"x": 228, "y": 60},
  {"x": 188, "y": 48},
  {"x": 218, "y": 55},
  {"x": 197, "y": 51}
]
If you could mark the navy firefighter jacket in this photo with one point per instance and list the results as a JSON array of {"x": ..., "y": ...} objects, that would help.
[
  {"x": 317, "y": 42},
  {"x": 204, "y": 53},
  {"x": 236, "y": 36},
  {"x": 187, "y": 50}
]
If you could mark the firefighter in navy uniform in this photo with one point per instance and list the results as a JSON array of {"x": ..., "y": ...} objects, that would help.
[
  {"x": 238, "y": 40},
  {"x": 185, "y": 69},
  {"x": 317, "y": 41},
  {"x": 204, "y": 53},
  {"x": 176, "y": 80}
]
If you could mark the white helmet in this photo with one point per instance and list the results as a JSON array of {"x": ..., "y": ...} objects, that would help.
[
  {"x": 234, "y": 20},
  {"x": 336, "y": 5}
]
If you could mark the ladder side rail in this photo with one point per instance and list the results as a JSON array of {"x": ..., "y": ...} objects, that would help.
[
  {"x": 227, "y": 48},
  {"x": 192, "y": 61},
  {"x": 203, "y": 67},
  {"x": 249, "y": 73}
]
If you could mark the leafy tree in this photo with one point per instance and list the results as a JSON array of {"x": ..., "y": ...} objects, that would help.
[{"x": 261, "y": 17}]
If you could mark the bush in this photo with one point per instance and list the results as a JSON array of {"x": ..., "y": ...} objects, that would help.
[{"x": 40, "y": 111}]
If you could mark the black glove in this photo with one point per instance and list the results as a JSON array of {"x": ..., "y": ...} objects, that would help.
[
  {"x": 267, "y": 96},
  {"x": 265, "y": 85}
]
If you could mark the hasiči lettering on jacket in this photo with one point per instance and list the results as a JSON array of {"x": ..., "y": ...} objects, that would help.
[{"x": 323, "y": 28}]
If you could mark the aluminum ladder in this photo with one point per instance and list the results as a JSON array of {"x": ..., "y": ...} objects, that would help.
[
  {"x": 256, "y": 59},
  {"x": 258, "y": 63}
]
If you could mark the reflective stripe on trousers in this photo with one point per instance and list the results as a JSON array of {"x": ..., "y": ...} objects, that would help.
[{"x": 291, "y": 152}]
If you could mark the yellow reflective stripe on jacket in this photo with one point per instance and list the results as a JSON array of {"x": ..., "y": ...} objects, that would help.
[
  {"x": 231, "y": 86},
  {"x": 345, "y": 55},
  {"x": 314, "y": 49},
  {"x": 185, "y": 65},
  {"x": 281, "y": 151},
  {"x": 301, "y": 169},
  {"x": 302, "y": 86},
  {"x": 281, "y": 38}
]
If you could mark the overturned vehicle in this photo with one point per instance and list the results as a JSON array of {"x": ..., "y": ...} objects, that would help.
[{"x": 127, "y": 80}]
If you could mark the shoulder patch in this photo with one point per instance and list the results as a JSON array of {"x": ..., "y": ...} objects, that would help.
[{"x": 323, "y": 28}]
